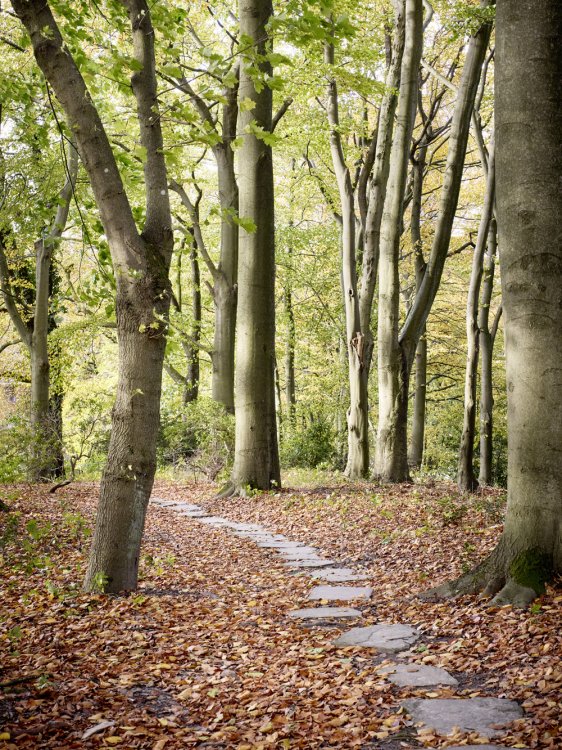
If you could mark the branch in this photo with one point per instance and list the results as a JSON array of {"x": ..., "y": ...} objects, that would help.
[
  {"x": 458, "y": 250},
  {"x": 9, "y": 343},
  {"x": 176, "y": 376},
  {"x": 280, "y": 112},
  {"x": 9, "y": 298},
  {"x": 11, "y": 44},
  {"x": 61, "y": 71},
  {"x": 327, "y": 197},
  {"x": 496, "y": 323},
  {"x": 158, "y": 223},
  {"x": 194, "y": 216}
]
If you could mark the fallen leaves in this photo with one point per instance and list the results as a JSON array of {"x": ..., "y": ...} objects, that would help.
[{"x": 203, "y": 655}]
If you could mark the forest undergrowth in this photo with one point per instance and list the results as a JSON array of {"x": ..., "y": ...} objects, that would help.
[{"x": 204, "y": 654}]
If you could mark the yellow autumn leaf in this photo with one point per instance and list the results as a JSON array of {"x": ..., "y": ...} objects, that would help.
[
  {"x": 113, "y": 739},
  {"x": 4, "y": 735}
]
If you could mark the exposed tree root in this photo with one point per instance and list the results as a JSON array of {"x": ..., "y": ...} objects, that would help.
[{"x": 507, "y": 579}]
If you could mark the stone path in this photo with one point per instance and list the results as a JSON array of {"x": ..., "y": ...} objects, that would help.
[{"x": 486, "y": 716}]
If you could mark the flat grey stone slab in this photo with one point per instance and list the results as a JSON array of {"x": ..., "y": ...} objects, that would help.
[
  {"x": 260, "y": 537},
  {"x": 296, "y": 556},
  {"x": 162, "y": 501},
  {"x": 194, "y": 513},
  {"x": 320, "y": 562},
  {"x": 283, "y": 545},
  {"x": 213, "y": 521},
  {"x": 469, "y": 714},
  {"x": 325, "y": 613},
  {"x": 252, "y": 528},
  {"x": 339, "y": 575},
  {"x": 384, "y": 637},
  {"x": 418, "y": 675},
  {"x": 341, "y": 593},
  {"x": 297, "y": 553}
]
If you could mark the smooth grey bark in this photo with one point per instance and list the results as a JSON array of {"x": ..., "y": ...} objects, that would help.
[
  {"x": 358, "y": 412},
  {"x": 416, "y": 445},
  {"x": 487, "y": 337},
  {"x": 141, "y": 261},
  {"x": 466, "y": 477},
  {"x": 391, "y": 462},
  {"x": 191, "y": 346},
  {"x": 394, "y": 389},
  {"x": 377, "y": 190},
  {"x": 256, "y": 454},
  {"x": 224, "y": 274},
  {"x": 290, "y": 389},
  {"x": 528, "y": 90},
  {"x": 46, "y": 404},
  {"x": 191, "y": 341}
]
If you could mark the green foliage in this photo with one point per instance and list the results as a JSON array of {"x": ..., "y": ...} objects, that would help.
[
  {"x": 309, "y": 446},
  {"x": 198, "y": 437}
]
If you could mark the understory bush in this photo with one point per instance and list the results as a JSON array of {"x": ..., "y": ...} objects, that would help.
[
  {"x": 198, "y": 437},
  {"x": 310, "y": 445}
]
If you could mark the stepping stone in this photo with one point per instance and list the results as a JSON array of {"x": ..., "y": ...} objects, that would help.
[
  {"x": 480, "y": 715},
  {"x": 252, "y": 528},
  {"x": 162, "y": 501},
  {"x": 297, "y": 556},
  {"x": 194, "y": 513},
  {"x": 384, "y": 637},
  {"x": 281, "y": 544},
  {"x": 187, "y": 506},
  {"x": 260, "y": 536},
  {"x": 213, "y": 520},
  {"x": 325, "y": 613},
  {"x": 319, "y": 563},
  {"x": 339, "y": 575},
  {"x": 419, "y": 675},
  {"x": 341, "y": 593}
]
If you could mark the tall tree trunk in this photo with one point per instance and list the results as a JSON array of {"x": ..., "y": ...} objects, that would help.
[
  {"x": 358, "y": 412},
  {"x": 141, "y": 261},
  {"x": 256, "y": 459},
  {"x": 46, "y": 405},
  {"x": 466, "y": 477},
  {"x": 487, "y": 337},
  {"x": 43, "y": 434},
  {"x": 528, "y": 94},
  {"x": 191, "y": 346},
  {"x": 415, "y": 449},
  {"x": 391, "y": 454},
  {"x": 290, "y": 391},
  {"x": 403, "y": 353},
  {"x": 373, "y": 218},
  {"x": 225, "y": 281}
]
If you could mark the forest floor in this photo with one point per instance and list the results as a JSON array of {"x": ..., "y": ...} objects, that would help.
[{"x": 205, "y": 655}]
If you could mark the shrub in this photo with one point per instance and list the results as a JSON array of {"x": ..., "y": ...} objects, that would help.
[
  {"x": 198, "y": 437},
  {"x": 309, "y": 446}
]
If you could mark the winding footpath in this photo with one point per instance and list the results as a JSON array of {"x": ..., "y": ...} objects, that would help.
[{"x": 335, "y": 588}]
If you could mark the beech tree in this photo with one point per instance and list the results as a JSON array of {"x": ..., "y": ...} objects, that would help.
[
  {"x": 33, "y": 330},
  {"x": 528, "y": 90},
  {"x": 399, "y": 346},
  {"x": 256, "y": 457},
  {"x": 141, "y": 260}
]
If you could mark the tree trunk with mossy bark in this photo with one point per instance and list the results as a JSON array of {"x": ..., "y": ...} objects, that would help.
[
  {"x": 528, "y": 93},
  {"x": 141, "y": 261},
  {"x": 256, "y": 455}
]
